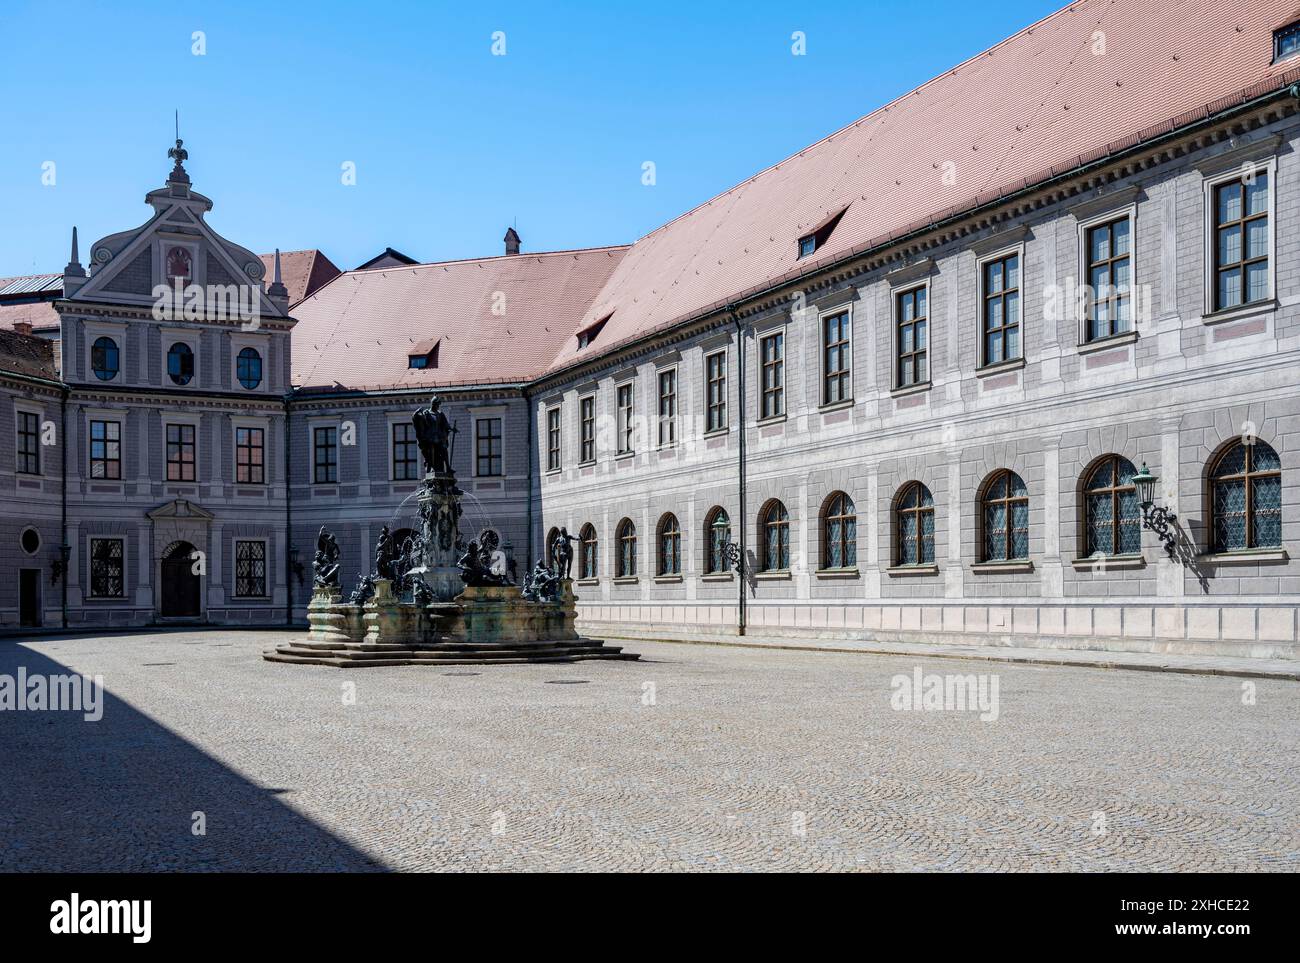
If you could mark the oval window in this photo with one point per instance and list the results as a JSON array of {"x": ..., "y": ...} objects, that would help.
[
  {"x": 248, "y": 367},
  {"x": 30, "y": 541},
  {"x": 103, "y": 359},
  {"x": 180, "y": 363}
]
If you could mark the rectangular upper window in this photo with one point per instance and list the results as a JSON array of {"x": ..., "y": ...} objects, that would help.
[
  {"x": 715, "y": 373},
  {"x": 106, "y": 449},
  {"x": 772, "y": 385},
  {"x": 1108, "y": 248},
  {"x": 250, "y": 450},
  {"x": 1000, "y": 294},
  {"x": 587, "y": 428},
  {"x": 180, "y": 453},
  {"x": 1241, "y": 240},
  {"x": 29, "y": 443},
  {"x": 406, "y": 452},
  {"x": 668, "y": 408},
  {"x": 912, "y": 340},
  {"x": 487, "y": 447},
  {"x": 554, "y": 438},
  {"x": 836, "y": 369},
  {"x": 626, "y": 425},
  {"x": 1286, "y": 42},
  {"x": 325, "y": 456}
]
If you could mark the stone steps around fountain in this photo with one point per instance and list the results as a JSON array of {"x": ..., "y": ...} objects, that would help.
[{"x": 442, "y": 653}]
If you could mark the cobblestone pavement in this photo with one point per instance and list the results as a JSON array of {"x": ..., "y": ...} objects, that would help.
[{"x": 742, "y": 760}]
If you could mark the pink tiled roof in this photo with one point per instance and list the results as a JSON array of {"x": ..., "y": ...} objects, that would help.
[
  {"x": 358, "y": 330},
  {"x": 40, "y": 314},
  {"x": 303, "y": 272},
  {"x": 1030, "y": 107}
]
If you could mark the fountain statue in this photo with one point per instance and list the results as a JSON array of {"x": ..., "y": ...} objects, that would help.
[{"x": 436, "y": 598}]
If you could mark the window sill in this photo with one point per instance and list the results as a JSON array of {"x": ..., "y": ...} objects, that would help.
[
  {"x": 626, "y": 580},
  {"x": 587, "y": 464},
  {"x": 783, "y": 575},
  {"x": 998, "y": 367},
  {"x": 714, "y": 432},
  {"x": 1248, "y": 556},
  {"x": 770, "y": 420},
  {"x": 1002, "y": 568},
  {"x": 836, "y": 405},
  {"x": 554, "y": 471},
  {"x": 667, "y": 579},
  {"x": 717, "y": 577},
  {"x": 1108, "y": 563},
  {"x": 1240, "y": 311},
  {"x": 837, "y": 573},
  {"x": 898, "y": 571},
  {"x": 1110, "y": 341},
  {"x": 906, "y": 390},
  {"x": 624, "y": 455},
  {"x": 586, "y": 581}
]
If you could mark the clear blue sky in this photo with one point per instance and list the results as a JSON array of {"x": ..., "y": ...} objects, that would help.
[{"x": 451, "y": 144}]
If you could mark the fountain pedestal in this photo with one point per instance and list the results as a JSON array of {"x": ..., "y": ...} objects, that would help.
[{"x": 439, "y": 507}]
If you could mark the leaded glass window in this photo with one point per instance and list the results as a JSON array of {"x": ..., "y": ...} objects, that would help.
[
  {"x": 840, "y": 533},
  {"x": 587, "y": 551},
  {"x": 915, "y": 521},
  {"x": 1006, "y": 518},
  {"x": 1113, "y": 517},
  {"x": 107, "y": 569},
  {"x": 1247, "y": 498},
  {"x": 776, "y": 538},
  {"x": 718, "y": 533},
  {"x": 250, "y": 569},
  {"x": 670, "y": 546},
  {"x": 626, "y": 549}
]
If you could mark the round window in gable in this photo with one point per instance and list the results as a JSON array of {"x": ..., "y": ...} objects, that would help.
[
  {"x": 104, "y": 358},
  {"x": 30, "y": 540},
  {"x": 248, "y": 367},
  {"x": 180, "y": 363}
]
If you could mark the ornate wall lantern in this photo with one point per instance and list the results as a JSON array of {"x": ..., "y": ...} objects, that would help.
[
  {"x": 730, "y": 550},
  {"x": 1155, "y": 517}
]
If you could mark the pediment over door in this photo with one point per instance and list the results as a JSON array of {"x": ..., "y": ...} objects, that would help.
[{"x": 180, "y": 508}]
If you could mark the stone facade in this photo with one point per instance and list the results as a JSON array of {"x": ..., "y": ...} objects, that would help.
[{"x": 1175, "y": 391}]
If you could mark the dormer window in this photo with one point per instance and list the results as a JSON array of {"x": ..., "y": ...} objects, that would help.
[
  {"x": 589, "y": 334},
  {"x": 1286, "y": 42},
  {"x": 424, "y": 356},
  {"x": 818, "y": 238}
]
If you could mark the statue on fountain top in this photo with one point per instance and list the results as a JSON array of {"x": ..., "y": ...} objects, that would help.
[{"x": 434, "y": 434}]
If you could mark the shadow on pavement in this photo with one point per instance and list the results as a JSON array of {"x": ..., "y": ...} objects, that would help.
[{"x": 120, "y": 794}]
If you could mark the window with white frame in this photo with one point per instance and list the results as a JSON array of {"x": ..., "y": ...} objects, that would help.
[
  {"x": 107, "y": 568},
  {"x": 487, "y": 447},
  {"x": 911, "y": 341},
  {"x": 715, "y": 374},
  {"x": 1000, "y": 308},
  {"x": 836, "y": 358},
  {"x": 624, "y": 401},
  {"x": 325, "y": 454},
  {"x": 667, "y": 407},
  {"x": 250, "y": 568},
  {"x": 250, "y": 455},
  {"x": 1240, "y": 239},
  {"x": 1108, "y": 268},
  {"x": 772, "y": 375},
  {"x": 554, "y": 438},
  {"x": 29, "y": 443},
  {"x": 587, "y": 428}
]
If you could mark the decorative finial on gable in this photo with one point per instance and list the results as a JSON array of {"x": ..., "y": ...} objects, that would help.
[
  {"x": 74, "y": 275},
  {"x": 277, "y": 288}
]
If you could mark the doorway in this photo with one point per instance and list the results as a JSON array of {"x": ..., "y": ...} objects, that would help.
[
  {"x": 180, "y": 582},
  {"x": 29, "y": 596}
]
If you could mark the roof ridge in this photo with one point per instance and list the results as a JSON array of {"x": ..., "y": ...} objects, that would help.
[{"x": 494, "y": 257}]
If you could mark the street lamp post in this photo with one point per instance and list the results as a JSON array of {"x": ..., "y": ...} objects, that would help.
[{"x": 1155, "y": 517}]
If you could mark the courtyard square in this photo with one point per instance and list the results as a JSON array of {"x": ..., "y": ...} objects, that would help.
[{"x": 695, "y": 758}]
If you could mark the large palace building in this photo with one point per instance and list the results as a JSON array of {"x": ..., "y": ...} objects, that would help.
[{"x": 1012, "y": 359}]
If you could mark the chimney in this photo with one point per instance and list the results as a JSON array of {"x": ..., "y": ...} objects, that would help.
[
  {"x": 23, "y": 327},
  {"x": 512, "y": 241}
]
